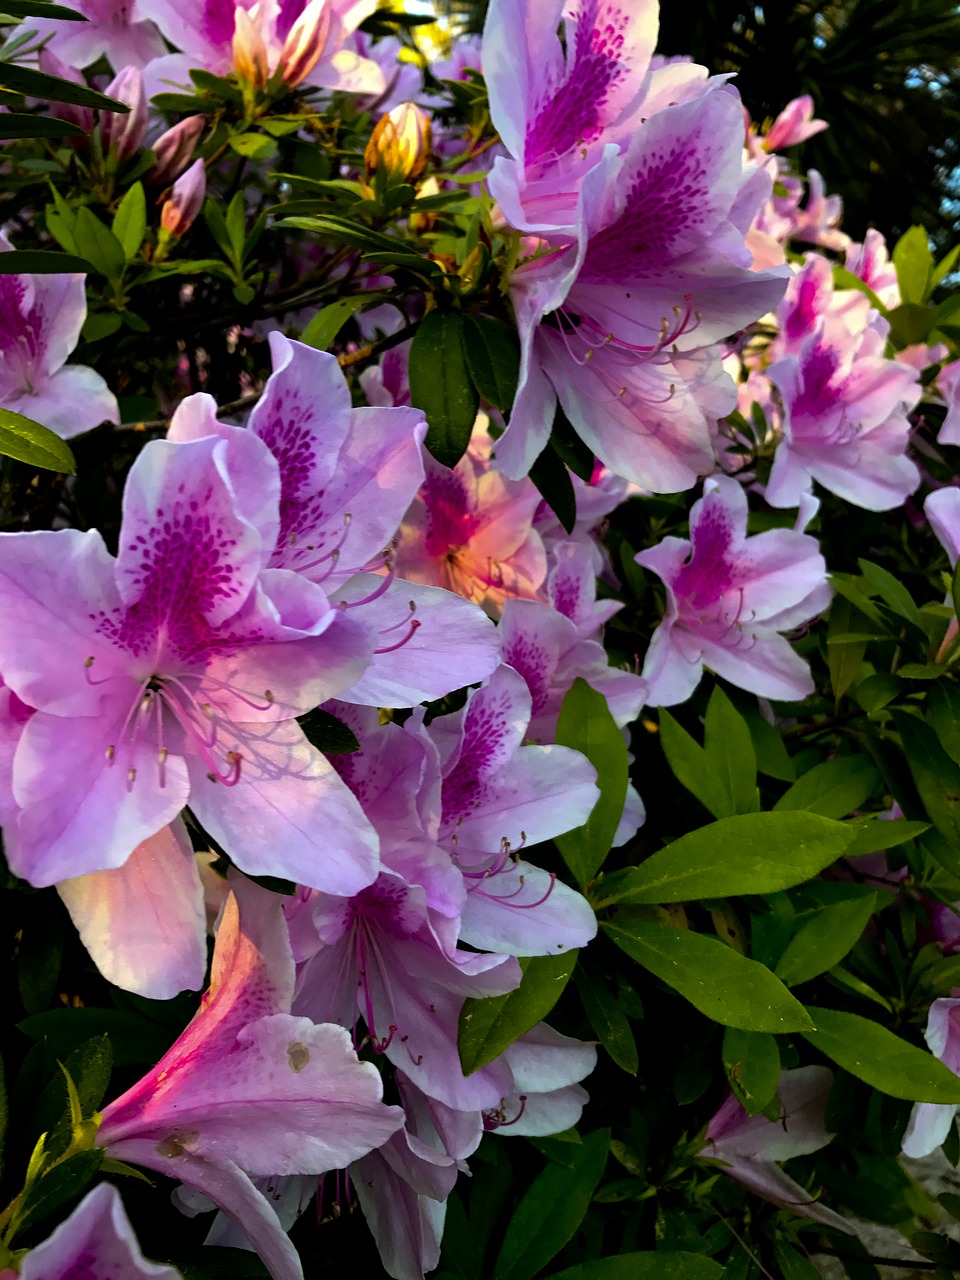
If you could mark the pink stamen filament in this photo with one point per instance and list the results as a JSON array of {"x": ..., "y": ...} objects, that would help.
[{"x": 333, "y": 554}]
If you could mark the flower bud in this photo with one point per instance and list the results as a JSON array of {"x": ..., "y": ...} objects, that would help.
[
  {"x": 305, "y": 43},
  {"x": 82, "y": 117},
  {"x": 400, "y": 143},
  {"x": 174, "y": 150},
  {"x": 186, "y": 200},
  {"x": 123, "y": 135},
  {"x": 250, "y": 51}
]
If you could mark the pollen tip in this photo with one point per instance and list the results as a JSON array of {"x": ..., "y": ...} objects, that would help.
[{"x": 110, "y": 752}]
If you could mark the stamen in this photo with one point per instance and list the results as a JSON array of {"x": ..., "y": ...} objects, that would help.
[{"x": 391, "y": 648}]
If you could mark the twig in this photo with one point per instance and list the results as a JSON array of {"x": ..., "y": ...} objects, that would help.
[{"x": 831, "y": 722}]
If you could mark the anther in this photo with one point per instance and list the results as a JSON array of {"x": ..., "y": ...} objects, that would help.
[
  {"x": 110, "y": 752},
  {"x": 131, "y": 775}
]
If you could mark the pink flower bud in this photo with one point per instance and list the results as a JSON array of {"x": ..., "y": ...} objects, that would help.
[
  {"x": 186, "y": 200},
  {"x": 174, "y": 150},
  {"x": 250, "y": 51},
  {"x": 305, "y": 42},
  {"x": 793, "y": 125},
  {"x": 51, "y": 65},
  {"x": 400, "y": 143},
  {"x": 123, "y": 135}
]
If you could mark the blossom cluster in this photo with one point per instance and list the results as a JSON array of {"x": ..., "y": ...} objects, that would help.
[{"x": 309, "y": 690}]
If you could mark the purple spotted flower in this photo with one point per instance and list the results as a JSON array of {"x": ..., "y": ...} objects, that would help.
[
  {"x": 40, "y": 322},
  {"x": 116, "y": 29},
  {"x": 173, "y": 673},
  {"x": 729, "y": 597}
]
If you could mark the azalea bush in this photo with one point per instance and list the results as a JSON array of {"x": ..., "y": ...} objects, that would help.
[{"x": 479, "y": 718}]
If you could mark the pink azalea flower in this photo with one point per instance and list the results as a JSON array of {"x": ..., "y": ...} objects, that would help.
[
  {"x": 728, "y": 599},
  {"x": 306, "y": 40},
  {"x": 630, "y": 309},
  {"x": 115, "y": 29},
  {"x": 174, "y": 672},
  {"x": 346, "y": 477},
  {"x": 818, "y": 222},
  {"x": 250, "y": 1090},
  {"x": 749, "y": 1147},
  {"x": 942, "y": 509},
  {"x": 97, "y": 1240},
  {"x": 572, "y": 589},
  {"x": 948, "y": 384},
  {"x": 545, "y": 647},
  {"x": 377, "y": 960},
  {"x": 844, "y": 419},
  {"x": 547, "y": 1097},
  {"x": 556, "y": 106},
  {"x": 471, "y": 530},
  {"x": 931, "y": 1122},
  {"x": 40, "y": 322},
  {"x": 871, "y": 262},
  {"x": 794, "y": 124}
]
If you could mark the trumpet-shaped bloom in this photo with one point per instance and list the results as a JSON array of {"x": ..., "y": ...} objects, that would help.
[
  {"x": 948, "y": 384},
  {"x": 304, "y": 40},
  {"x": 942, "y": 509},
  {"x": 97, "y": 1240},
  {"x": 750, "y": 1146},
  {"x": 728, "y": 599},
  {"x": 346, "y": 478},
  {"x": 40, "y": 322},
  {"x": 115, "y": 29},
  {"x": 845, "y": 420},
  {"x": 547, "y": 1097},
  {"x": 175, "y": 671},
  {"x": 794, "y": 124},
  {"x": 471, "y": 530},
  {"x": 931, "y": 1122},
  {"x": 250, "y": 1090}
]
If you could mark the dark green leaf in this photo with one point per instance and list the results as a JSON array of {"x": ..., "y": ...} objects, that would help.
[
  {"x": 3, "y": 1111},
  {"x": 552, "y": 479},
  {"x": 914, "y": 263},
  {"x": 552, "y": 1209},
  {"x": 327, "y": 323},
  {"x": 844, "y": 660},
  {"x": 493, "y": 358},
  {"x": 254, "y": 146},
  {"x": 347, "y": 232},
  {"x": 645, "y": 1266},
  {"x": 586, "y": 725},
  {"x": 41, "y": 953},
  {"x": 89, "y": 1067},
  {"x": 328, "y": 733},
  {"x": 40, "y": 9},
  {"x": 608, "y": 1019},
  {"x": 722, "y": 984},
  {"x": 832, "y": 789},
  {"x": 751, "y": 1060},
  {"x": 440, "y": 385},
  {"x": 793, "y": 1265},
  {"x": 909, "y": 323},
  {"x": 874, "y": 1054},
  {"x": 99, "y": 245},
  {"x": 36, "y": 84},
  {"x": 937, "y": 777},
  {"x": 41, "y": 262},
  {"x": 134, "y": 1039},
  {"x": 892, "y": 592},
  {"x": 101, "y": 324},
  {"x": 577, "y": 455},
  {"x": 29, "y": 442},
  {"x": 729, "y": 753},
  {"x": 488, "y": 1026},
  {"x": 943, "y": 717},
  {"x": 130, "y": 221},
  {"x": 825, "y": 939},
  {"x": 61, "y": 1184},
  {"x": 877, "y": 833},
  {"x": 688, "y": 762},
  {"x": 22, "y": 126},
  {"x": 748, "y": 853}
]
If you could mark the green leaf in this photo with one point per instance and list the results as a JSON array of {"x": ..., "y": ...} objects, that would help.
[
  {"x": 722, "y": 984},
  {"x": 134, "y": 1039},
  {"x": 608, "y": 1019},
  {"x": 844, "y": 660},
  {"x": 881, "y": 1059},
  {"x": 892, "y": 592},
  {"x": 3, "y": 1111},
  {"x": 493, "y": 358},
  {"x": 553, "y": 482},
  {"x": 748, "y": 853},
  {"x": 130, "y": 220},
  {"x": 937, "y": 777},
  {"x": 440, "y": 385},
  {"x": 825, "y": 939},
  {"x": 328, "y": 733},
  {"x": 914, "y": 263},
  {"x": 586, "y": 725},
  {"x": 41, "y": 9},
  {"x": 488, "y": 1026},
  {"x": 29, "y": 442},
  {"x": 943, "y": 717},
  {"x": 24, "y": 126},
  {"x": 832, "y": 789},
  {"x": 99, "y": 245},
  {"x": 688, "y": 762},
  {"x": 844, "y": 279},
  {"x": 551, "y": 1210},
  {"x": 910, "y": 323},
  {"x": 645, "y": 1266},
  {"x": 60, "y": 1184},
  {"x": 946, "y": 264},
  {"x": 875, "y": 834},
  {"x": 254, "y": 146},
  {"x": 729, "y": 753},
  {"x": 36, "y": 84},
  {"x": 40, "y": 954},
  {"x": 88, "y": 1067},
  {"x": 327, "y": 323},
  {"x": 751, "y": 1060},
  {"x": 41, "y": 262},
  {"x": 344, "y": 231},
  {"x": 792, "y": 1263},
  {"x": 101, "y": 324},
  {"x": 574, "y": 452}
]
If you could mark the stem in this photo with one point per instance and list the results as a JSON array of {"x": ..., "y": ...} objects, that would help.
[{"x": 831, "y": 722}]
